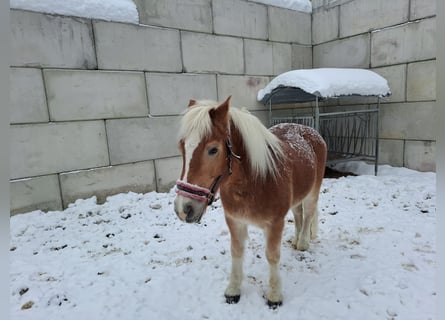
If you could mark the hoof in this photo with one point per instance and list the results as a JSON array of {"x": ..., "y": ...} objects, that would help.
[
  {"x": 302, "y": 245},
  {"x": 232, "y": 299},
  {"x": 274, "y": 304}
]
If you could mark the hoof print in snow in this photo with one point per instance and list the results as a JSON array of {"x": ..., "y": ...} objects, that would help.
[
  {"x": 232, "y": 299},
  {"x": 23, "y": 291},
  {"x": 57, "y": 300},
  {"x": 155, "y": 206},
  {"x": 58, "y": 248},
  {"x": 126, "y": 216}
]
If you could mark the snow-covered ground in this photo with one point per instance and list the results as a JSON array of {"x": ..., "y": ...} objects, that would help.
[{"x": 131, "y": 258}]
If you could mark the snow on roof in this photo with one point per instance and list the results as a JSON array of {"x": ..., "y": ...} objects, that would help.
[
  {"x": 110, "y": 10},
  {"x": 330, "y": 82},
  {"x": 298, "y": 5}
]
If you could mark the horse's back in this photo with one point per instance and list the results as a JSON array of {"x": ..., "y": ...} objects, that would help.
[
  {"x": 303, "y": 140},
  {"x": 305, "y": 151}
]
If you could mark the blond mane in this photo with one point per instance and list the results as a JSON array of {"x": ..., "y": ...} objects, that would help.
[{"x": 263, "y": 148}]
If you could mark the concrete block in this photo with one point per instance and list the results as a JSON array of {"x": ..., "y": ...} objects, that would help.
[
  {"x": 43, "y": 40},
  {"x": 169, "y": 94},
  {"x": 301, "y": 57},
  {"x": 405, "y": 43},
  {"x": 130, "y": 47},
  {"x": 194, "y": 15},
  {"x": 243, "y": 90},
  {"x": 325, "y": 26},
  {"x": 258, "y": 57},
  {"x": 420, "y": 155},
  {"x": 39, "y": 193},
  {"x": 282, "y": 57},
  {"x": 346, "y": 53},
  {"x": 267, "y": 58},
  {"x": 289, "y": 26},
  {"x": 79, "y": 95},
  {"x": 422, "y": 8},
  {"x": 168, "y": 170},
  {"x": 407, "y": 121},
  {"x": 42, "y": 149},
  {"x": 391, "y": 152},
  {"x": 139, "y": 139},
  {"x": 86, "y": 95},
  {"x": 421, "y": 82},
  {"x": 396, "y": 76},
  {"x": 240, "y": 18},
  {"x": 106, "y": 181},
  {"x": 372, "y": 15},
  {"x": 208, "y": 53},
  {"x": 27, "y": 100}
]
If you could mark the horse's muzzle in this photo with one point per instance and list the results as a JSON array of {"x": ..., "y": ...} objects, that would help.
[{"x": 191, "y": 201}]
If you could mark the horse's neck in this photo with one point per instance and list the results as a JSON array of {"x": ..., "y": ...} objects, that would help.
[{"x": 236, "y": 190}]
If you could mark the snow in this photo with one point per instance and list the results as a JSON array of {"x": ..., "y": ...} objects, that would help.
[
  {"x": 131, "y": 258},
  {"x": 120, "y": 10},
  {"x": 109, "y": 10},
  {"x": 330, "y": 82},
  {"x": 298, "y": 5}
]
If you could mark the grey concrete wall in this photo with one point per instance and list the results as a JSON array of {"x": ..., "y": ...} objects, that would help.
[
  {"x": 396, "y": 39},
  {"x": 95, "y": 105}
]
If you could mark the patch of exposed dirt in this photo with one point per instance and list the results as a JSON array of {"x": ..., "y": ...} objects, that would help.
[{"x": 331, "y": 173}]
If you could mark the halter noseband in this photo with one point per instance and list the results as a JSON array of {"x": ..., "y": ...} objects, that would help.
[{"x": 199, "y": 193}]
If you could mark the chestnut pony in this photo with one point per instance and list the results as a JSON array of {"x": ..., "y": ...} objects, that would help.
[{"x": 260, "y": 174}]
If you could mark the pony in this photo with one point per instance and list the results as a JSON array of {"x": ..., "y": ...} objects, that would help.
[{"x": 260, "y": 174}]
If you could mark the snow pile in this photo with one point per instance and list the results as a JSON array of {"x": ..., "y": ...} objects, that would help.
[
  {"x": 298, "y": 5},
  {"x": 131, "y": 258},
  {"x": 109, "y": 10},
  {"x": 330, "y": 82}
]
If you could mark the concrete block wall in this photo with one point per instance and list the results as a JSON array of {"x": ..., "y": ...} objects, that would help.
[
  {"x": 95, "y": 105},
  {"x": 396, "y": 39}
]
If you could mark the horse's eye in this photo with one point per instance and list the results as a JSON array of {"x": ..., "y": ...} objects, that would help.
[{"x": 213, "y": 151}]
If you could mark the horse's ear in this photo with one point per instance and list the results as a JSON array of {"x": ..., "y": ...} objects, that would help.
[
  {"x": 221, "y": 113},
  {"x": 192, "y": 102}
]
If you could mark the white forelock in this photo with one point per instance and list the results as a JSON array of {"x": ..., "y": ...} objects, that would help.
[{"x": 263, "y": 148}]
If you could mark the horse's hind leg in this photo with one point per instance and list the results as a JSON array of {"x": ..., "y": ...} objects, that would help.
[
  {"x": 298, "y": 216},
  {"x": 238, "y": 235},
  {"x": 314, "y": 224},
  {"x": 310, "y": 221}
]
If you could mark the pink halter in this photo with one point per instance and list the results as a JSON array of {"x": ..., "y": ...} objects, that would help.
[{"x": 192, "y": 191}]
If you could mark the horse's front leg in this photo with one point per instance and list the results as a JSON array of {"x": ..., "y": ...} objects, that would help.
[
  {"x": 238, "y": 235},
  {"x": 273, "y": 235}
]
